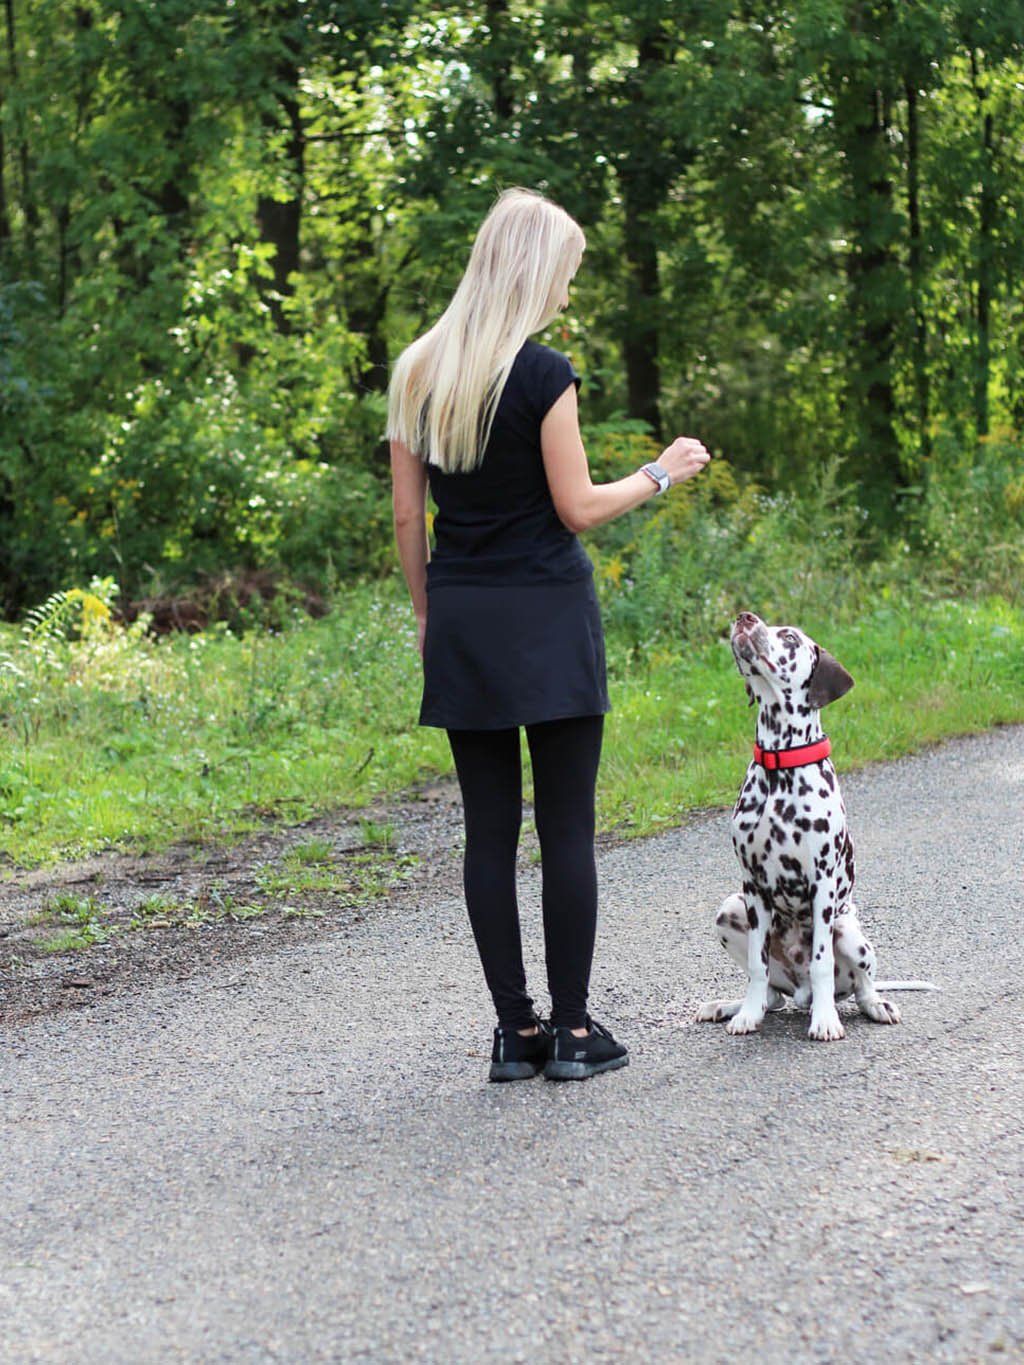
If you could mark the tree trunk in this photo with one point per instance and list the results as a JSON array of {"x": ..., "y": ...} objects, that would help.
[
  {"x": 367, "y": 311},
  {"x": 5, "y": 222},
  {"x": 30, "y": 212},
  {"x": 986, "y": 231},
  {"x": 643, "y": 288},
  {"x": 172, "y": 197},
  {"x": 63, "y": 217},
  {"x": 920, "y": 342},
  {"x": 500, "y": 66},
  {"x": 280, "y": 221},
  {"x": 876, "y": 291},
  {"x": 644, "y": 180},
  {"x": 68, "y": 253}
]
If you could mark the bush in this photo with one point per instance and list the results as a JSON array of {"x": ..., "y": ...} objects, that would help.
[
  {"x": 720, "y": 545},
  {"x": 208, "y": 465},
  {"x": 967, "y": 515}
]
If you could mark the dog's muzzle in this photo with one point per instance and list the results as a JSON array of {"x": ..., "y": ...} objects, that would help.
[{"x": 749, "y": 640}]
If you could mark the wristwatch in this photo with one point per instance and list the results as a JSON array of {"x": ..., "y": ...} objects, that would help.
[{"x": 654, "y": 471}]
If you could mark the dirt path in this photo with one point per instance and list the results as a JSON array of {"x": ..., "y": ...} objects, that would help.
[{"x": 168, "y": 916}]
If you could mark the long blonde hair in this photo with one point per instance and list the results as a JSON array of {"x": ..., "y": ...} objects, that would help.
[{"x": 445, "y": 386}]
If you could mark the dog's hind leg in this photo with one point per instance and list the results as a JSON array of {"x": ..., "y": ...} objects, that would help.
[
  {"x": 855, "y": 966},
  {"x": 731, "y": 929},
  {"x": 717, "y": 1011},
  {"x": 731, "y": 932},
  {"x": 750, "y": 1015}
]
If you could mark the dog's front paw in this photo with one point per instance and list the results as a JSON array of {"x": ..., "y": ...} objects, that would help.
[
  {"x": 881, "y": 1011},
  {"x": 717, "y": 1011},
  {"x": 826, "y": 1027},
  {"x": 744, "y": 1022}
]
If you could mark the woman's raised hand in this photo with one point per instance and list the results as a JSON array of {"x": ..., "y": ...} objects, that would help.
[{"x": 685, "y": 457}]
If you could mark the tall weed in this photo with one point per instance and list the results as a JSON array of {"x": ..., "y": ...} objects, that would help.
[
  {"x": 720, "y": 545},
  {"x": 967, "y": 515}
]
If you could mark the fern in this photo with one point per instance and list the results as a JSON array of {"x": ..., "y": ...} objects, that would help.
[{"x": 72, "y": 613}]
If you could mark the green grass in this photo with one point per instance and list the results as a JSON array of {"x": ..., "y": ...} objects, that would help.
[
  {"x": 106, "y": 744},
  {"x": 123, "y": 742},
  {"x": 82, "y": 918},
  {"x": 680, "y": 736}
]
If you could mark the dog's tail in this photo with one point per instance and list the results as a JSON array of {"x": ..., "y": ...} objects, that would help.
[{"x": 906, "y": 986}]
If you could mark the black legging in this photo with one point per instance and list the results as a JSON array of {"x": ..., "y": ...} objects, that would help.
[{"x": 564, "y": 756}]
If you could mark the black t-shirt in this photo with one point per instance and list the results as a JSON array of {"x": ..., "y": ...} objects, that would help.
[{"x": 498, "y": 524}]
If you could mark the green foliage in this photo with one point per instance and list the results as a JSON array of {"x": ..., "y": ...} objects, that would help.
[
  {"x": 971, "y": 514},
  {"x": 191, "y": 737},
  {"x": 218, "y": 228},
  {"x": 83, "y": 919},
  {"x": 723, "y": 545},
  {"x": 112, "y": 737}
]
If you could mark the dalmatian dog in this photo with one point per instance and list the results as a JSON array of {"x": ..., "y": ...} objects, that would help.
[{"x": 794, "y": 926}]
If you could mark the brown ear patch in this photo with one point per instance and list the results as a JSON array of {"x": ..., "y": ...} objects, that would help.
[{"x": 829, "y": 681}]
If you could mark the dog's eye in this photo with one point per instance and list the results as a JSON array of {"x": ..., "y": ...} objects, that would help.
[{"x": 790, "y": 637}]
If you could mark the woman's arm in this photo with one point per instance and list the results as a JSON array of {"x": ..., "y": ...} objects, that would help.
[
  {"x": 582, "y": 504},
  {"x": 409, "y": 503}
]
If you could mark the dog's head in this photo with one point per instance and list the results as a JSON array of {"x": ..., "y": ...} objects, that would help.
[{"x": 782, "y": 663}]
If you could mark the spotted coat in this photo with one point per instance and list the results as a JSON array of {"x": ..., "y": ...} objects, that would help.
[{"x": 794, "y": 926}]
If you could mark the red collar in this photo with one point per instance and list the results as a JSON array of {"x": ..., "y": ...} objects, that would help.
[{"x": 771, "y": 759}]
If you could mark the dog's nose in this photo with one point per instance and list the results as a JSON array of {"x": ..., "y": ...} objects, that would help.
[{"x": 746, "y": 619}]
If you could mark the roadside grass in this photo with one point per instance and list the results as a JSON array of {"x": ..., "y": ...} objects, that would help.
[
  {"x": 681, "y": 733},
  {"x": 82, "y": 919},
  {"x": 193, "y": 739},
  {"x": 111, "y": 741}
]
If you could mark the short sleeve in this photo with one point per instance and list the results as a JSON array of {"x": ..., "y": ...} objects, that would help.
[{"x": 554, "y": 373}]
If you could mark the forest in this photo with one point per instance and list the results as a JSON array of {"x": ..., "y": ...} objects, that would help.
[{"x": 221, "y": 220}]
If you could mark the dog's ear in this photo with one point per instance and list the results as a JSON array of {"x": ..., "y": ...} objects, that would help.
[{"x": 829, "y": 681}]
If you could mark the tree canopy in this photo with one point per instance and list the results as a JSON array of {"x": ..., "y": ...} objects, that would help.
[{"x": 221, "y": 221}]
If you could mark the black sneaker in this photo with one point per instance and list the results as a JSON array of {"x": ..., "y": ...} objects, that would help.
[
  {"x": 574, "y": 1059},
  {"x": 515, "y": 1058}
]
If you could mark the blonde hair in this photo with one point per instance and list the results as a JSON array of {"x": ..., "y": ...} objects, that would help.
[{"x": 445, "y": 386}]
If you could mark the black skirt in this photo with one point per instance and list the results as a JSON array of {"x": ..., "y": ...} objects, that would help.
[{"x": 498, "y": 657}]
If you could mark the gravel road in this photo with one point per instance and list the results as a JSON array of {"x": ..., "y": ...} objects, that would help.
[{"x": 296, "y": 1157}]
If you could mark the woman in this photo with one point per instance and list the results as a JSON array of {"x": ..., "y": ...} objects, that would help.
[{"x": 509, "y": 627}]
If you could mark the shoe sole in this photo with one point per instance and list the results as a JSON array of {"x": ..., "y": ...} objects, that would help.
[
  {"x": 512, "y": 1071},
  {"x": 581, "y": 1071}
]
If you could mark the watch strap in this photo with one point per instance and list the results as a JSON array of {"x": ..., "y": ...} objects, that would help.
[{"x": 660, "y": 476}]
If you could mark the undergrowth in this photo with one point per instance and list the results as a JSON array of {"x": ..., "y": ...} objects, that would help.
[{"x": 112, "y": 737}]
